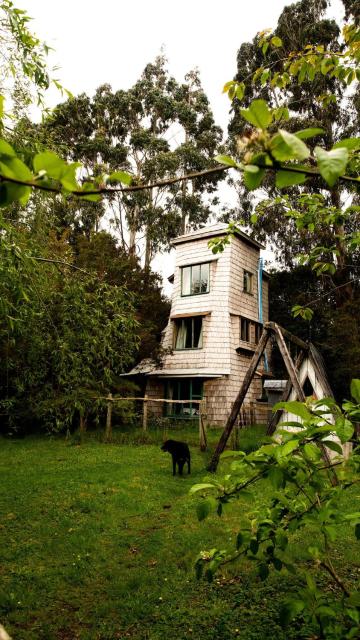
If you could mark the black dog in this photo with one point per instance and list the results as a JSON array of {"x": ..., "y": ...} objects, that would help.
[{"x": 180, "y": 454}]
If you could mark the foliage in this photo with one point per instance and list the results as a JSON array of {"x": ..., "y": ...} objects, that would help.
[
  {"x": 102, "y": 256},
  {"x": 23, "y": 61},
  {"x": 307, "y": 73},
  {"x": 64, "y": 336},
  {"x": 305, "y": 474}
]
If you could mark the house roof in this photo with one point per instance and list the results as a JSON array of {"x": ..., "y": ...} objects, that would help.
[
  {"x": 148, "y": 367},
  {"x": 214, "y": 230},
  {"x": 188, "y": 373}
]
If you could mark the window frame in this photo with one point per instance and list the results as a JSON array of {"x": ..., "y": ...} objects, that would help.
[
  {"x": 190, "y": 266},
  {"x": 179, "y": 323},
  {"x": 254, "y": 329},
  {"x": 251, "y": 277},
  {"x": 168, "y": 407}
]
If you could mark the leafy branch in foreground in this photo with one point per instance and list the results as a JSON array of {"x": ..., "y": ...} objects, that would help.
[
  {"x": 284, "y": 153},
  {"x": 264, "y": 152},
  {"x": 23, "y": 59},
  {"x": 302, "y": 495}
]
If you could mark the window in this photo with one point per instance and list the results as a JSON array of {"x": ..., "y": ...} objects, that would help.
[
  {"x": 258, "y": 331},
  {"x": 195, "y": 279},
  {"x": 184, "y": 389},
  {"x": 248, "y": 282},
  {"x": 188, "y": 333},
  {"x": 250, "y": 330},
  {"x": 245, "y": 329}
]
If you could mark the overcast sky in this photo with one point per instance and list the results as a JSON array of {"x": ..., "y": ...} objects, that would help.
[{"x": 112, "y": 41}]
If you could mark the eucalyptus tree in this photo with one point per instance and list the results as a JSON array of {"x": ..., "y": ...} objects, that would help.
[
  {"x": 154, "y": 130},
  {"x": 268, "y": 68}
]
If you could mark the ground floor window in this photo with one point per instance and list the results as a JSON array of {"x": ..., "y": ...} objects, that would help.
[{"x": 187, "y": 389}]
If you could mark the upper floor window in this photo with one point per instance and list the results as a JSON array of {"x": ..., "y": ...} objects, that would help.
[
  {"x": 188, "y": 333},
  {"x": 195, "y": 279},
  {"x": 248, "y": 281}
]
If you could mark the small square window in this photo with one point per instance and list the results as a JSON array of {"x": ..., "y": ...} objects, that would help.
[{"x": 248, "y": 282}]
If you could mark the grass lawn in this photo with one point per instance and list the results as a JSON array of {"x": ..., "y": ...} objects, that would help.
[{"x": 98, "y": 543}]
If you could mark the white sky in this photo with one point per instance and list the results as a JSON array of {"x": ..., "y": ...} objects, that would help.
[{"x": 112, "y": 41}]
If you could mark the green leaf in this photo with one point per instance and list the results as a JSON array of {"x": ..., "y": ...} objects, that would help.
[
  {"x": 334, "y": 446},
  {"x": 13, "y": 193},
  {"x": 332, "y": 164},
  {"x": 258, "y": 114},
  {"x": 226, "y": 160},
  {"x": 201, "y": 487},
  {"x": 227, "y": 86},
  {"x": 312, "y": 452},
  {"x": 286, "y": 146},
  {"x": 68, "y": 177},
  {"x": 94, "y": 197},
  {"x": 120, "y": 176},
  {"x": 357, "y": 531},
  {"x": 344, "y": 429},
  {"x": 303, "y": 134},
  {"x": 204, "y": 508},
  {"x": 294, "y": 407},
  {"x": 354, "y": 599},
  {"x": 288, "y": 179},
  {"x": 348, "y": 143},
  {"x": 290, "y": 610},
  {"x": 355, "y": 389},
  {"x": 281, "y": 540},
  {"x": 276, "y": 477},
  {"x": 254, "y": 546},
  {"x": 12, "y": 167},
  {"x": 253, "y": 176},
  {"x": 276, "y": 41},
  {"x": 263, "y": 570},
  {"x": 240, "y": 90},
  {"x": 6, "y": 149},
  {"x": 288, "y": 447},
  {"x": 51, "y": 163}
]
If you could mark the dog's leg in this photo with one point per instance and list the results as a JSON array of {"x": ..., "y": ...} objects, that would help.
[
  {"x": 188, "y": 464},
  {"x": 181, "y": 466},
  {"x": 174, "y": 465}
]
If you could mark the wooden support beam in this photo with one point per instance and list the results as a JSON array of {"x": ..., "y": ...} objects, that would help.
[
  {"x": 289, "y": 363},
  {"x": 285, "y": 396},
  {"x": 239, "y": 399},
  {"x": 289, "y": 336}
]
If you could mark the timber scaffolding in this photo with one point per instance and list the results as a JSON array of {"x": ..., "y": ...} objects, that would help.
[{"x": 306, "y": 350}]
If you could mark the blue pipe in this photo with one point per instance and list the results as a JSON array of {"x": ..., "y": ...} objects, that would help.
[{"x": 260, "y": 303}]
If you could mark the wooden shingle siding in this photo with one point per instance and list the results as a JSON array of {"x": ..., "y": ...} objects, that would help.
[{"x": 226, "y": 301}]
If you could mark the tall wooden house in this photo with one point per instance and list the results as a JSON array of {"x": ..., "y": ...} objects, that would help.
[{"x": 219, "y": 303}]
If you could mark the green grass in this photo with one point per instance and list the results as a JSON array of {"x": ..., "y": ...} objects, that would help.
[{"x": 98, "y": 543}]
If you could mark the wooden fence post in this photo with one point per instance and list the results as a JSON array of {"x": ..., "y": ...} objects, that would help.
[
  {"x": 82, "y": 426},
  {"x": 202, "y": 429},
  {"x": 145, "y": 413},
  {"x": 108, "y": 428}
]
